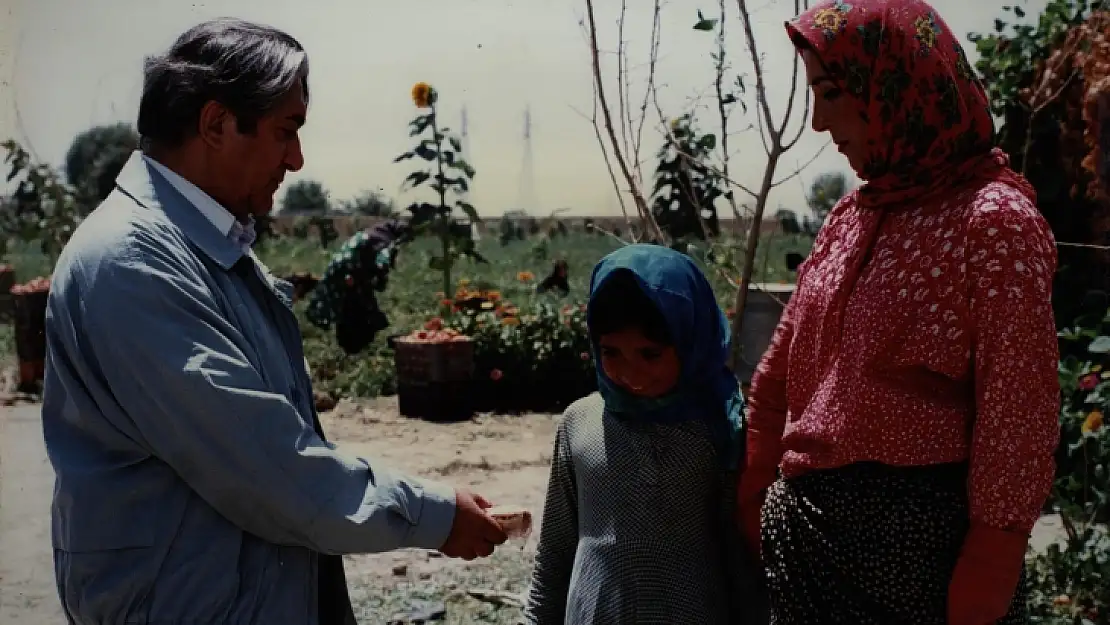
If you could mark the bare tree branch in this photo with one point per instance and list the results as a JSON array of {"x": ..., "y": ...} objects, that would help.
[
  {"x": 722, "y": 110},
  {"x": 790, "y": 105},
  {"x": 653, "y": 58},
  {"x": 776, "y": 149},
  {"x": 623, "y": 83},
  {"x": 634, "y": 188},
  {"x": 803, "y": 166},
  {"x": 20, "y": 128},
  {"x": 608, "y": 162},
  {"x": 757, "y": 64}
]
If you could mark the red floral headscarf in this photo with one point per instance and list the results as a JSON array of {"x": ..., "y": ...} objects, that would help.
[{"x": 929, "y": 124}]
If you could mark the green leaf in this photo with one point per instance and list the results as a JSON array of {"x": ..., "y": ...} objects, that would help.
[
  {"x": 426, "y": 152},
  {"x": 469, "y": 210},
  {"x": 438, "y": 263},
  {"x": 1100, "y": 345},
  {"x": 473, "y": 254},
  {"x": 464, "y": 167},
  {"x": 455, "y": 143},
  {"x": 444, "y": 182},
  {"x": 404, "y": 157},
  {"x": 415, "y": 179},
  {"x": 422, "y": 212},
  {"x": 420, "y": 124},
  {"x": 708, "y": 142}
]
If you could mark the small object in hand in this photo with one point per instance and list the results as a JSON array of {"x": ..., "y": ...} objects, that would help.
[{"x": 516, "y": 522}]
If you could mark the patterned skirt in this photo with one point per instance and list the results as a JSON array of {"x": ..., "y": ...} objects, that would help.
[{"x": 868, "y": 544}]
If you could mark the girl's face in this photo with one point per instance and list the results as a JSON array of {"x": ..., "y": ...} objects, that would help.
[
  {"x": 837, "y": 113},
  {"x": 637, "y": 364}
]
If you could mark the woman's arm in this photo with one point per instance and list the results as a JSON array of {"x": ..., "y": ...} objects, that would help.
[
  {"x": 1011, "y": 262},
  {"x": 767, "y": 407},
  {"x": 547, "y": 593}
]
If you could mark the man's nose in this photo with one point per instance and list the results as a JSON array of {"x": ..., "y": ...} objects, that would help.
[{"x": 294, "y": 157}]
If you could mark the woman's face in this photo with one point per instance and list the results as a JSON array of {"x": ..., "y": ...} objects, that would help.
[
  {"x": 637, "y": 364},
  {"x": 837, "y": 113}
]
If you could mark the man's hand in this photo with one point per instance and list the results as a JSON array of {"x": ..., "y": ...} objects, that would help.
[{"x": 474, "y": 533}]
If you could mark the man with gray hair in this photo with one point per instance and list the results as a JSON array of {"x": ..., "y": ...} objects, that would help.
[{"x": 194, "y": 484}]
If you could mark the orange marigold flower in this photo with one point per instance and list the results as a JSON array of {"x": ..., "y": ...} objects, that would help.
[
  {"x": 422, "y": 94},
  {"x": 510, "y": 321},
  {"x": 1093, "y": 422},
  {"x": 525, "y": 276}
]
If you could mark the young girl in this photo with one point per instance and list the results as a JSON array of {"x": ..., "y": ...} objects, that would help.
[{"x": 638, "y": 526}]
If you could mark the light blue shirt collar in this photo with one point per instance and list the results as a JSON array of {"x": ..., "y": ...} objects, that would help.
[{"x": 240, "y": 233}]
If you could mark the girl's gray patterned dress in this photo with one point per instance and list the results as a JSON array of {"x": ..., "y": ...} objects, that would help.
[{"x": 638, "y": 528}]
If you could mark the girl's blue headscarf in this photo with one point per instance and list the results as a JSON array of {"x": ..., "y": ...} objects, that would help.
[{"x": 707, "y": 390}]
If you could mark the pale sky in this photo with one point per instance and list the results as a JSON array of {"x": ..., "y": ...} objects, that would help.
[{"x": 71, "y": 64}]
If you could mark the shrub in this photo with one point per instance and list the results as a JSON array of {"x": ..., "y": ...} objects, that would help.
[
  {"x": 1071, "y": 581},
  {"x": 525, "y": 360}
]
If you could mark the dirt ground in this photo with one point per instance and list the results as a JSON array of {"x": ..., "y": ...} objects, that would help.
[{"x": 504, "y": 458}]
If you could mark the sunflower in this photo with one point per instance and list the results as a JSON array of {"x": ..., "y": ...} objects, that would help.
[{"x": 422, "y": 94}]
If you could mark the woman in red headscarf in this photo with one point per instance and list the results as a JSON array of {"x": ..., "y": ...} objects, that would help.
[{"x": 904, "y": 420}]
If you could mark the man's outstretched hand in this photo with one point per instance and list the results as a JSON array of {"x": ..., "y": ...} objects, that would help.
[{"x": 474, "y": 534}]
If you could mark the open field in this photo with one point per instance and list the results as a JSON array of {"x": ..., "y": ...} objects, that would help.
[{"x": 414, "y": 291}]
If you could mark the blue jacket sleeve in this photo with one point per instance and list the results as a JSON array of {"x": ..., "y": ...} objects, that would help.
[{"x": 173, "y": 365}]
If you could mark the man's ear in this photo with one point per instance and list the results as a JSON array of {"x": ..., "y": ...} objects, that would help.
[{"x": 215, "y": 124}]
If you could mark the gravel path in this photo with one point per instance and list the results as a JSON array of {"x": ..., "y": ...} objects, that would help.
[{"x": 27, "y": 592}]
